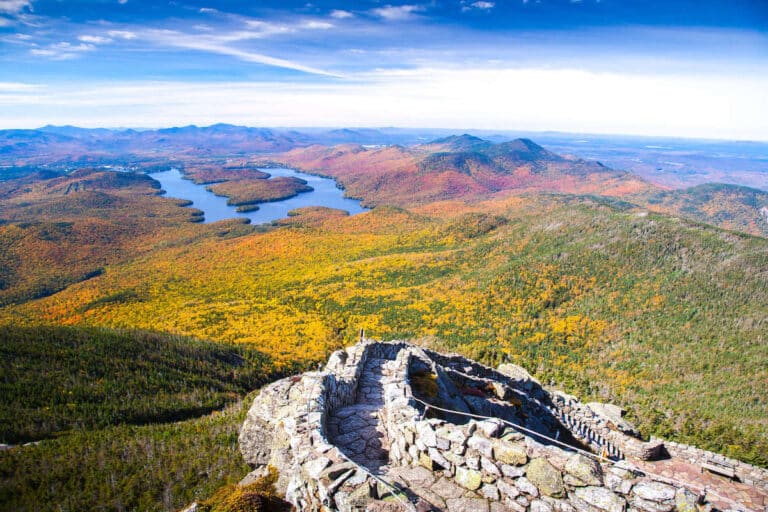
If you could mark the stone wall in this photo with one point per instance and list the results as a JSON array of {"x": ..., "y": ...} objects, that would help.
[
  {"x": 604, "y": 435},
  {"x": 285, "y": 428},
  {"x": 501, "y": 465},
  {"x": 484, "y": 465},
  {"x": 746, "y": 473}
]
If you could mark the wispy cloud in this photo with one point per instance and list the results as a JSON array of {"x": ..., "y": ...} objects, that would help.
[
  {"x": 6, "y": 87},
  {"x": 13, "y": 12},
  {"x": 19, "y": 38},
  {"x": 232, "y": 41},
  {"x": 341, "y": 14},
  {"x": 317, "y": 25},
  {"x": 94, "y": 39},
  {"x": 122, "y": 34},
  {"x": 62, "y": 51},
  {"x": 480, "y": 5},
  {"x": 258, "y": 29},
  {"x": 397, "y": 13},
  {"x": 14, "y": 6},
  {"x": 221, "y": 44}
]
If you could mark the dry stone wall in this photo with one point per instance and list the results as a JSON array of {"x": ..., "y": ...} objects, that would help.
[
  {"x": 744, "y": 472},
  {"x": 527, "y": 459}
]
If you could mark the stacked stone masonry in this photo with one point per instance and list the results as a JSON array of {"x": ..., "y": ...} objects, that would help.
[
  {"x": 744, "y": 472},
  {"x": 357, "y": 436}
]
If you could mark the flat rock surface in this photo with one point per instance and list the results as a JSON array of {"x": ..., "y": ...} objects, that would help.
[{"x": 680, "y": 470}]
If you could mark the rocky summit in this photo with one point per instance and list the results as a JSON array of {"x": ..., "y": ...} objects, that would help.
[{"x": 393, "y": 426}]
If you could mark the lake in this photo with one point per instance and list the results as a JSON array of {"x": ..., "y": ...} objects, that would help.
[{"x": 325, "y": 193}]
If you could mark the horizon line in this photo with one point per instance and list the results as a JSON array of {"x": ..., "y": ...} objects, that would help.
[{"x": 501, "y": 131}]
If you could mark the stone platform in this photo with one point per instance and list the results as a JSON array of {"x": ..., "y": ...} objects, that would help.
[{"x": 392, "y": 426}]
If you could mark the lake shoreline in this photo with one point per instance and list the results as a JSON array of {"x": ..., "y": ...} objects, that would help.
[{"x": 323, "y": 191}]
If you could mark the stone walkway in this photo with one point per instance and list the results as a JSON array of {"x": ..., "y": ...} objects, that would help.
[
  {"x": 677, "y": 469},
  {"x": 358, "y": 430}
]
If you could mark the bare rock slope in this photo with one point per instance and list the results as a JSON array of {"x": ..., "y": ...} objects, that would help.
[{"x": 392, "y": 426}]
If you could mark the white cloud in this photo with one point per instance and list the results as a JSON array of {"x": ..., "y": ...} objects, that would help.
[
  {"x": 317, "y": 25},
  {"x": 122, "y": 34},
  {"x": 207, "y": 10},
  {"x": 231, "y": 42},
  {"x": 6, "y": 87},
  {"x": 94, "y": 39},
  {"x": 484, "y": 5},
  {"x": 340, "y": 14},
  {"x": 260, "y": 29},
  {"x": 505, "y": 99},
  {"x": 52, "y": 54},
  {"x": 18, "y": 38},
  {"x": 15, "y": 6},
  {"x": 219, "y": 44},
  {"x": 397, "y": 13},
  {"x": 62, "y": 51},
  {"x": 5, "y": 22}
]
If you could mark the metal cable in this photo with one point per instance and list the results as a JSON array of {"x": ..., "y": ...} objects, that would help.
[
  {"x": 517, "y": 427},
  {"x": 600, "y": 458}
]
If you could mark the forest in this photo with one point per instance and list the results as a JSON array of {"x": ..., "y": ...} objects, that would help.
[{"x": 132, "y": 333}]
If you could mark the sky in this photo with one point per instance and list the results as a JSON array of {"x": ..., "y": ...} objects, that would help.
[{"x": 686, "y": 68}]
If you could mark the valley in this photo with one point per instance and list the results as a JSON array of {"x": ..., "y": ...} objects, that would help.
[{"x": 600, "y": 282}]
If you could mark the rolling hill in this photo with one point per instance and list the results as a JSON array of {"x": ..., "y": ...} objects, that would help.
[
  {"x": 464, "y": 168},
  {"x": 728, "y": 206},
  {"x": 56, "y": 230},
  {"x": 60, "y": 379}
]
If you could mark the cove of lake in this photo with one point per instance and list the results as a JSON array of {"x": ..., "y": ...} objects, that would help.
[{"x": 324, "y": 193}]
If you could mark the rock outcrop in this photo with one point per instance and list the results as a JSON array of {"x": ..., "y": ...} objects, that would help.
[{"x": 392, "y": 426}]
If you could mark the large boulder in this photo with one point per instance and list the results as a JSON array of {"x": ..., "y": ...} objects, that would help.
[
  {"x": 586, "y": 470},
  {"x": 546, "y": 478},
  {"x": 516, "y": 372},
  {"x": 615, "y": 415},
  {"x": 601, "y": 499}
]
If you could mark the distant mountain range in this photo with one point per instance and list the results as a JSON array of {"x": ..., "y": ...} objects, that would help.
[
  {"x": 671, "y": 162},
  {"x": 404, "y": 167},
  {"x": 73, "y": 141}
]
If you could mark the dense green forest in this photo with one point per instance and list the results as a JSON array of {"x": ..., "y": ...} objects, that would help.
[
  {"x": 56, "y": 379},
  {"x": 146, "y": 468},
  {"x": 111, "y": 404}
]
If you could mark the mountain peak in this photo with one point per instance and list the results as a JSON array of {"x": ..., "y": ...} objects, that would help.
[
  {"x": 460, "y": 143},
  {"x": 523, "y": 150}
]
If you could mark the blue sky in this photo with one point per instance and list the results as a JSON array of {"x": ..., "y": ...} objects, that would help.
[{"x": 682, "y": 68}]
